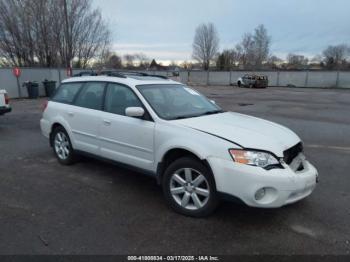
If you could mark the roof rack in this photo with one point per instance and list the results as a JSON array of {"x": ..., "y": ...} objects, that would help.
[
  {"x": 159, "y": 76},
  {"x": 85, "y": 73},
  {"x": 111, "y": 73},
  {"x": 135, "y": 73},
  {"x": 115, "y": 73}
]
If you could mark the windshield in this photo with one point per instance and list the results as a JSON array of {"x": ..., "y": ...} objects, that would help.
[{"x": 177, "y": 101}]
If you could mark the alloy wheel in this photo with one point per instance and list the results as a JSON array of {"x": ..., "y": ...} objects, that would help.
[
  {"x": 62, "y": 147},
  {"x": 189, "y": 188}
]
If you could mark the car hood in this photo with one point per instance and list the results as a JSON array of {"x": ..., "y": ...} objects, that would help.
[{"x": 245, "y": 131}]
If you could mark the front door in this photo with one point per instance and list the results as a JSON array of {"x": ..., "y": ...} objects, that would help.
[{"x": 126, "y": 139}]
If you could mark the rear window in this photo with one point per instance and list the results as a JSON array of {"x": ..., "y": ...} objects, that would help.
[
  {"x": 91, "y": 96},
  {"x": 66, "y": 92}
]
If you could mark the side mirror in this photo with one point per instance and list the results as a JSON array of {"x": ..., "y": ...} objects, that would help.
[
  {"x": 213, "y": 101},
  {"x": 134, "y": 111}
]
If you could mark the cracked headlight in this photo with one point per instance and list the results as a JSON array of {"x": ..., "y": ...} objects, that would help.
[{"x": 254, "y": 158}]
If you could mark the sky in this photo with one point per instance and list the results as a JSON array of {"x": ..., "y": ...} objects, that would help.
[{"x": 164, "y": 29}]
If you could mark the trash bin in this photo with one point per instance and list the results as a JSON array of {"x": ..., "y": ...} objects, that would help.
[
  {"x": 33, "y": 89},
  {"x": 50, "y": 87}
]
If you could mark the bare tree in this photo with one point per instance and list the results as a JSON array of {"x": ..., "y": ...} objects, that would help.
[
  {"x": 115, "y": 62},
  {"x": 205, "y": 44},
  {"x": 16, "y": 36},
  {"x": 130, "y": 61},
  {"x": 254, "y": 49},
  {"x": 246, "y": 50},
  {"x": 186, "y": 65},
  {"x": 227, "y": 59},
  {"x": 51, "y": 32},
  {"x": 317, "y": 59},
  {"x": 273, "y": 59},
  {"x": 142, "y": 60},
  {"x": 274, "y": 62},
  {"x": 90, "y": 34},
  {"x": 261, "y": 45},
  {"x": 109, "y": 60},
  {"x": 334, "y": 56}
]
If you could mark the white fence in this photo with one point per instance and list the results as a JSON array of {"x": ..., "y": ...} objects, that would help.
[{"x": 330, "y": 79}]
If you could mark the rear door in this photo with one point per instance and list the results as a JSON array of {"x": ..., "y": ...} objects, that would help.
[
  {"x": 78, "y": 107},
  {"x": 62, "y": 108},
  {"x": 85, "y": 116},
  {"x": 126, "y": 139}
]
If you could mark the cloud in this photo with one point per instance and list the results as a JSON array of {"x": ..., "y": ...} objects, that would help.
[
  {"x": 161, "y": 28},
  {"x": 122, "y": 46},
  {"x": 159, "y": 51}
]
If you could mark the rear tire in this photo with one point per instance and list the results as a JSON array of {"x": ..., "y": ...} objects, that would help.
[
  {"x": 239, "y": 84},
  {"x": 62, "y": 146},
  {"x": 189, "y": 188}
]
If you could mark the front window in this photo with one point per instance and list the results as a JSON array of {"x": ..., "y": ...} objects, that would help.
[
  {"x": 120, "y": 97},
  {"x": 177, "y": 101}
]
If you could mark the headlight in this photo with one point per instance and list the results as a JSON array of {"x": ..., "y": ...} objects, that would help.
[{"x": 254, "y": 158}]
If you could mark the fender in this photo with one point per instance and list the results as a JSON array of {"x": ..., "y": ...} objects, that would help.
[
  {"x": 185, "y": 144},
  {"x": 204, "y": 146},
  {"x": 61, "y": 121}
]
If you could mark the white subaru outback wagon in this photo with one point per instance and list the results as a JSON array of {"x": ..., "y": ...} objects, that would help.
[{"x": 198, "y": 153}]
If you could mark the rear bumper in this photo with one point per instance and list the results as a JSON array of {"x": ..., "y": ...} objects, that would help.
[
  {"x": 5, "y": 109},
  {"x": 281, "y": 186}
]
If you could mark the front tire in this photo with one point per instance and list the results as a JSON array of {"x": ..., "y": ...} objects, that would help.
[
  {"x": 239, "y": 84},
  {"x": 189, "y": 188},
  {"x": 62, "y": 146}
]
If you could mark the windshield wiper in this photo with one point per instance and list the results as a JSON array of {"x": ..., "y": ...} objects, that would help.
[
  {"x": 202, "y": 114},
  {"x": 182, "y": 117},
  {"x": 211, "y": 112}
]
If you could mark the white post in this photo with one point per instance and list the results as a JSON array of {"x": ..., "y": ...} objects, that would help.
[
  {"x": 337, "y": 80},
  {"x": 307, "y": 78},
  {"x": 208, "y": 77}
]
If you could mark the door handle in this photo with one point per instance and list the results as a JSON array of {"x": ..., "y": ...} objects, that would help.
[
  {"x": 107, "y": 122},
  {"x": 70, "y": 113}
]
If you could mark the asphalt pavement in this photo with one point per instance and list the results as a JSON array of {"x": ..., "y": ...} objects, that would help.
[{"x": 97, "y": 208}]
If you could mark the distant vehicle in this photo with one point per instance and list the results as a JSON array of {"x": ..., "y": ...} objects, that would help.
[
  {"x": 4, "y": 102},
  {"x": 198, "y": 152},
  {"x": 253, "y": 81}
]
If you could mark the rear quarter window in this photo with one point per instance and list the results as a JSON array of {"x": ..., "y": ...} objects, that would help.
[{"x": 66, "y": 92}]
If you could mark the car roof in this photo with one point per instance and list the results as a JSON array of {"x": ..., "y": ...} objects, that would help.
[
  {"x": 254, "y": 75},
  {"x": 130, "y": 80}
]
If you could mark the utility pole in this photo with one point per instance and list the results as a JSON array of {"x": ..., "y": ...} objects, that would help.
[{"x": 68, "y": 40}]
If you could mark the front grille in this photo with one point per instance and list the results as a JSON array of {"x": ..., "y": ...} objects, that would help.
[{"x": 292, "y": 153}]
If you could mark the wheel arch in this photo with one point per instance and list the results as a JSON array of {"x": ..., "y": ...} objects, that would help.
[
  {"x": 56, "y": 124},
  {"x": 176, "y": 153}
]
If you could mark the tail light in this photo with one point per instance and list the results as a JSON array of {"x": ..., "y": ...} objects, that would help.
[
  {"x": 7, "y": 99},
  {"x": 45, "y": 105}
]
